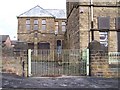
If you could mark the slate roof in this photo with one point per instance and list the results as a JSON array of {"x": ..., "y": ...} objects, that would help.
[
  {"x": 58, "y": 13},
  {"x": 38, "y": 11}
]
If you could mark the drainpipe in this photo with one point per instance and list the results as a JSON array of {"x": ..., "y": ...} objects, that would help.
[
  {"x": 91, "y": 2},
  {"x": 92, "y": 32}
]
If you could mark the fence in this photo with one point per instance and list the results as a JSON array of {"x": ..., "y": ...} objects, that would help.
[
  {"x": 68, "y": 62},
  {"x": 51, "y": 63},
  {"x": 114, "y": 63}
]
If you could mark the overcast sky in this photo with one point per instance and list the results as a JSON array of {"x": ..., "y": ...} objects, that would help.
[{"x": 9, "y": 9}]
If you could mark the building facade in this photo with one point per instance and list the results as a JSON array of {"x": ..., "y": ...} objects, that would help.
[
  {"x": 95, "y": 24},
  {"x": 42, "y": 28},
  {"x": 90, "y": 20}
]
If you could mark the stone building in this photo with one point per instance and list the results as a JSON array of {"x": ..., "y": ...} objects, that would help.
[
  {"x": 42, "y": 28},
  {"x": 88, "y": 20}
]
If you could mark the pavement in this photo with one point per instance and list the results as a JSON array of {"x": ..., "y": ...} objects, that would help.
[{"x": 10, "y": 82}]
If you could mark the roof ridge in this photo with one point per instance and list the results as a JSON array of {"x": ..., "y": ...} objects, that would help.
[
  {"x": 28, "y": 10},
  {"x": 54, "y": 9},
  {"x": 38, "y": 11},
  {"x": 35, "y": 7}
]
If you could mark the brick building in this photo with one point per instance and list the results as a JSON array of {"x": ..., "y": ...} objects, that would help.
[
  {"x": 42, "y": 28},
  {"x": 91, "y": 20}
]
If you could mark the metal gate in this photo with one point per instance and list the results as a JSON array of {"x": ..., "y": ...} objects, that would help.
[{"x": 50, "y": 63}]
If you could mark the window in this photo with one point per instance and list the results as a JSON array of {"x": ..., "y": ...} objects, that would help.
[
  {"x": 44, "y": 48},
  {"x": 43, "y": 27},
  {"x": 35, "y": 24},
  {"x": 63, "y": 26},
  {"x": 59, "y": 46},
  {"x": 27, "y": 21},
  {"x": 43, "y": 21},
  {"x": 28, "y": 24},
  {"x": 103, "y": 23},
  {"x": 43, "y": 24},
  {"x": 35, "y": 27},
  {"x": 117, "y": 23},
  {"x": 44, "y": 45},
  {"x": 28, "y": 27},
  {"x": 56, "y": 27}
]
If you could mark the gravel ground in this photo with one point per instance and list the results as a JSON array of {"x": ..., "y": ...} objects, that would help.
[{"x": 11, "y": 81}]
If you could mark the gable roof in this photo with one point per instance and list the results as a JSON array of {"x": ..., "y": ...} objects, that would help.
[{"x": 37, "y": 11}]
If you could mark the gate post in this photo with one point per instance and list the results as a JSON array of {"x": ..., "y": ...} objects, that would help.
[
  {"x": 29, "y": 62},
  {"x": 87, "y": 62}
]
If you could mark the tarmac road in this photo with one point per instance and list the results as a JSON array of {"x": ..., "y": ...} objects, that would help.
[{"x": 12, "y": 81}]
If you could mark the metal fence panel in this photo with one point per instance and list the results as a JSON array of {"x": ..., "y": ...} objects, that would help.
[{"x": 51, "y": 63}]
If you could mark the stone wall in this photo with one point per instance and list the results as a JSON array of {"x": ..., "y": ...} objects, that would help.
[
  {"x": 14, "y": 64},
  {"x": 11, "y": 66},
  {"x": 100, "y": 66},
  {"x": 83, "y": 22},
  {"x": 73, "y": 30}
]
